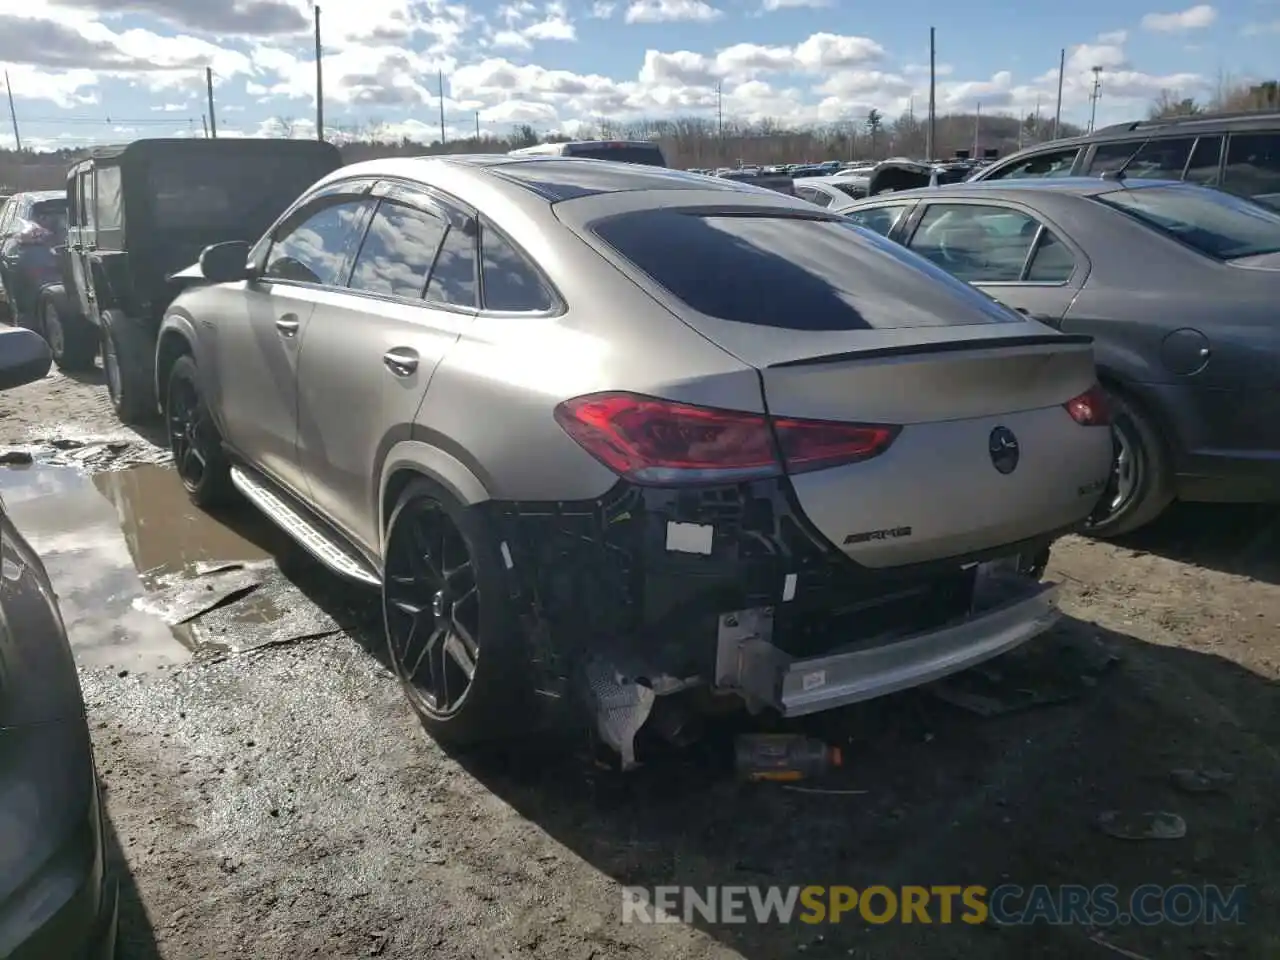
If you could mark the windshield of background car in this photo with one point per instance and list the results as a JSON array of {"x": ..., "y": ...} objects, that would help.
[
  {"x": 646, "y": 156},
  {"x": 242, "y": 195},
  {"x": 791, "y": 272},
  {"x": 1212, "y": 222},
  {"x": 51, "y": 215}
]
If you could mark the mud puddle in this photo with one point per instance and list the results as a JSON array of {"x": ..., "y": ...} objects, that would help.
[{"x": 145, "y": 579}]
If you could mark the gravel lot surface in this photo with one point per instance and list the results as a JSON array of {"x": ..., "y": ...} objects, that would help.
[{"x": 271, "y": 795}]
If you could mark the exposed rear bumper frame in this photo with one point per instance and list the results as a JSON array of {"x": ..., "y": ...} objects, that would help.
[{"x": 748, "y": 663}]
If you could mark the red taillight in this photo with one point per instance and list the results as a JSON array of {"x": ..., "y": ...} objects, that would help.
[
  {"x": 1091, "y": 408},
  {"x": 814, "y": 444},
  {"x": 653, "y": 441}
]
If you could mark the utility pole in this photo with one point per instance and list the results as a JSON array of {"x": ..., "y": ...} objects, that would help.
[
  {"x": 977, "y": 130},
  {"x": 1095, "y": 96},
  {"x": 1062, "y": 66},
  {"x": 933, "y": 84},
  {"x": 477, "y": 126},
  {"x": 440, "y": 82},
  {"x": 204, "y": 122},
  {"x": 319, "y": 81},
  {"x": 13, "y": 114},
  {"x": 208, "y": 85},
  {"x": 719, "y": 110}
]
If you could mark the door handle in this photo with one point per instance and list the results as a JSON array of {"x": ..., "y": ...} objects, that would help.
[
  {"x": 401, "y": 361},
  {"x": 288, "y": 325}
]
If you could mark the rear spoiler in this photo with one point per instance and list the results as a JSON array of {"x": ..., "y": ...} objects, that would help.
[{"x": 943, "y": 346}]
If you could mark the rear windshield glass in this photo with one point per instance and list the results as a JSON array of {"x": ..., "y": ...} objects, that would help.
[
  {"x": 238, "y": 194},
  {"x": 788, "y": 272},
  {"x": 1215, "y": 223},
  {"x": 646, "y": 156}
]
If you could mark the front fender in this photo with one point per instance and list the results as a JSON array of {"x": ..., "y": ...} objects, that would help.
[{"x": 434, "y": 464}]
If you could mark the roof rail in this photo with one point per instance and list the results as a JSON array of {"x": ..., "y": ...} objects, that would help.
[{"x": 1133, "y": 125}]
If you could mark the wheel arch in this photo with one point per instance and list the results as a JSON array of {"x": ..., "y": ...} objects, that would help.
[
  {"x": 408, "y": 459},
  {"x": 177, "y": 338},
  {"x": 1133, "y": 393}
]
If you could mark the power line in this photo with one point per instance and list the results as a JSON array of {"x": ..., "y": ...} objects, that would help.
[{"x": 131, "y": 121}]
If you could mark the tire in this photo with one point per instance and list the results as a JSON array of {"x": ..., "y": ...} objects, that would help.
[
  {"x": 194, "y": 437},
  {"x": 497, "y": 702},
  {"x": 1150, "y": 486},
  {"x": 71, "y": 338},
  {"x": 129, "y": 361}
]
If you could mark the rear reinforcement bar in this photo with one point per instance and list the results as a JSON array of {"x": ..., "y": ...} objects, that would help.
[{"x": 747, "y": 661}]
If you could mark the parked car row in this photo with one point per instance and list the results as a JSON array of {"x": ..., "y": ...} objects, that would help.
[{"x": 554, "y": 408}]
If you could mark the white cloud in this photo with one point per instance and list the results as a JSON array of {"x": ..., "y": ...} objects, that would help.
[
  {"x": 382, "y": 57},
  {"x": 1261, "y": 29},
  {"x": 1194, "y": 18},
  {"x": 672, "y": 11}
]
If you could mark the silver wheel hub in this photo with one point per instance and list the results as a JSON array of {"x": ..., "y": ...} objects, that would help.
[{"x": 1125, "y": 470}]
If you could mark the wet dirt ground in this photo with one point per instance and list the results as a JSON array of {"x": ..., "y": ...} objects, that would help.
[{"x": 271, "y": 795}]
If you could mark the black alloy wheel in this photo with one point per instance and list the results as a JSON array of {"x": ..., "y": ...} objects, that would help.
[
  {"x": 432, "y": 602},
  {"x": 197, "y": 451}
]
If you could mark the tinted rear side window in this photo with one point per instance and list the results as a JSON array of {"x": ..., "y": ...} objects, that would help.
[{"x": 787, "y": 272}]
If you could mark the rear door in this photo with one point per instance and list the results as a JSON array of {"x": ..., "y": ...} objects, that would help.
[
  {"x": 81, "y": 241},
  {"x": 1005, "y": 250},
  {"x": 371, "y": 349}
]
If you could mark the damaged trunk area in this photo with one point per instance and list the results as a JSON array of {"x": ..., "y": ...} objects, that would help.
[{"x": 651, "y": 591}]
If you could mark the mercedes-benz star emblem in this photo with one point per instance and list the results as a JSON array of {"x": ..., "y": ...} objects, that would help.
[{"x": 1003, "y": 447}]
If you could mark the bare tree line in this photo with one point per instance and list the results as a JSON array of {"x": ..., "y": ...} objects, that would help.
[{"x": 701, "y": 142}]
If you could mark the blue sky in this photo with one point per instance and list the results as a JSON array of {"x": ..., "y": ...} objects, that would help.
[{"x": 106, "y": 70}]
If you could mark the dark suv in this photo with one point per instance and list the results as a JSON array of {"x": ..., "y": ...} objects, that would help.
[
  {"x": 1238, "y": 153},
  {"x": 31, "y": 226}
]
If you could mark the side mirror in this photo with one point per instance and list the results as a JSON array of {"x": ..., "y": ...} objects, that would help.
[
  {"x": 225, "y": 262},
  {"x": 24, "y": 357}
]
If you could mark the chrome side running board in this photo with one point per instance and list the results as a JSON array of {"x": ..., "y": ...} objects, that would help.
[{"x": 320, "y": 545}]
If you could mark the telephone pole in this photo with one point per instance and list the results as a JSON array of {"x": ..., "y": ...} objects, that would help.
[
  {"x": 440, "y": 83},
  {"x": 204, "y": 122},
  {"x": 319, "y": 82},
  {"x": 1062, "y": 66},
  {"x": 977, "y": 130},
  {"x": 13, "y": 114},
  {"x": 208, "y": 85},
  {"x": 477, "y": 126},
  {"x": 933, "y": 84},
  {"x": 719, "y": 110},
  {"x": 1095, "y": 96}
]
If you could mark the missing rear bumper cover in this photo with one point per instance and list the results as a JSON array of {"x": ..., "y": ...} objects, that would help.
[{"x": 605, "y": 597}]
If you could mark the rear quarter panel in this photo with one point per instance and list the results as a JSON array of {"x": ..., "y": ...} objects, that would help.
[{"x": 1153, "y": 305}]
